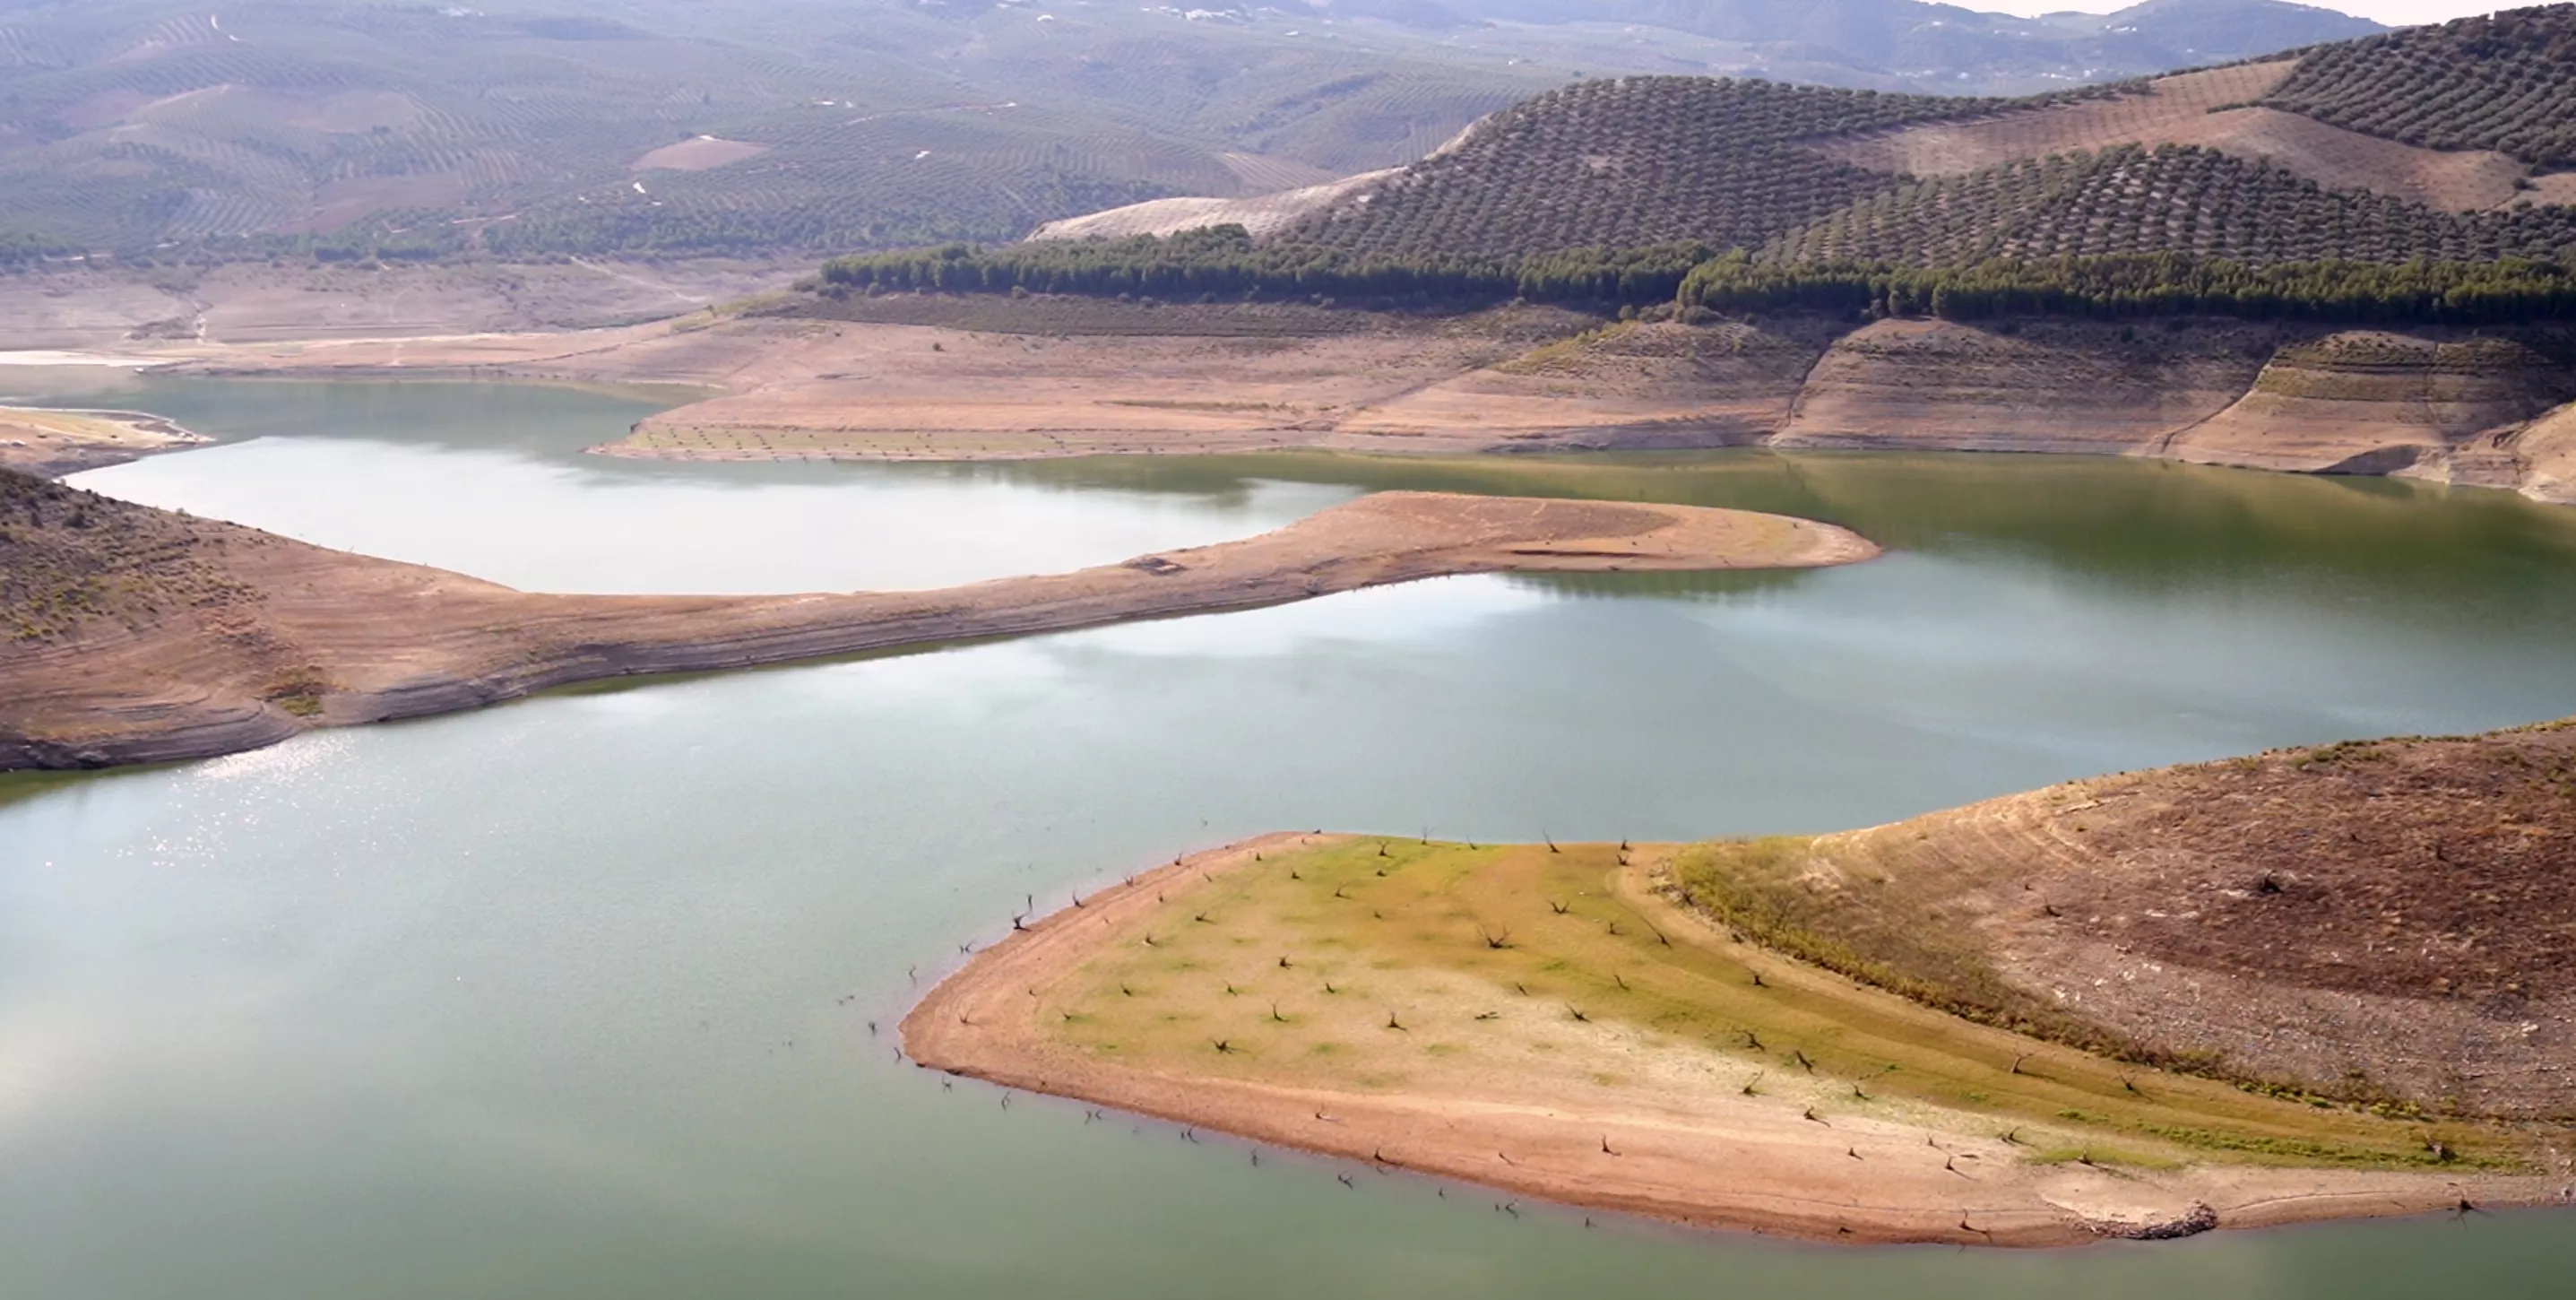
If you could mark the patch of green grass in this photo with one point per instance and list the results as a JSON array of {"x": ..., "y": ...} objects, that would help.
[{"x": 1404, "y": 957}]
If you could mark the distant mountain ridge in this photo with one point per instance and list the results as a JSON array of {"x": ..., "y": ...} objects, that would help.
[
  {"x": 538, "y": 129},
  {"x": 1928, "y": 44}
]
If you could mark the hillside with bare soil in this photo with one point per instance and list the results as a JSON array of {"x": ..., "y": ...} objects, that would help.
[
  {"x": 1260, "y": 215},
  {"x": 2387, "y": 922}
]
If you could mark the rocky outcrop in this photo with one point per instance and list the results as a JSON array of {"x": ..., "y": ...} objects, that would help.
[
  {"x": 2536, "y": 458},
  {"x": 2374, "y": 402},
  {"x": 2053, "y": 386},
  {"x": 1632, "y": 386},
  {"x": 2546, "y": 453},
  {"x": 2450, "y": 406}
]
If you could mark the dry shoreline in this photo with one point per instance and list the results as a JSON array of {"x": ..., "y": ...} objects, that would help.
[
  {"x": 952, "y": 379},
  {"x": 50, "y": 443},
  {"x": 1708, "y": 1156},
  {"x": 195, "y": 638}
]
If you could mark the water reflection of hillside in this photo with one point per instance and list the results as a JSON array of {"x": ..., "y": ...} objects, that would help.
[{"x": 1713, "y": 586}]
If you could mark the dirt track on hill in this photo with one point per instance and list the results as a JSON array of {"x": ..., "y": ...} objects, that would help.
[{"x": 137, "y": 635}]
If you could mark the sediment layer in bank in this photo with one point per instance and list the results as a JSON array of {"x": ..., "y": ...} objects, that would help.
[{"x": 953, "y": 380}]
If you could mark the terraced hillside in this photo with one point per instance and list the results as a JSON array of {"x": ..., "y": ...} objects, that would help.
[
  {"x": 2173, "y": 195},
  {"x": 2177, "y": 198},
  {"x": 2503, "y": 81},
  {"x": 1640, "y": 160},
  {"x": 2182, "y": 164}
]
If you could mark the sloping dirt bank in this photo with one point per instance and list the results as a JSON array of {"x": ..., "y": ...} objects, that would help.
[
  {"x": 1093, "y": 378},
  {"x": 1546, "y": 1021},
  {"x": 2391, "y": 922},
  {"x": 135, "y": 635}
]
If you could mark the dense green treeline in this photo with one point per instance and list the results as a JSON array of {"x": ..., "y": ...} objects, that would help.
[
  {"x": 1222, "y": 263},
  {"x": 2161, "y": 284}
]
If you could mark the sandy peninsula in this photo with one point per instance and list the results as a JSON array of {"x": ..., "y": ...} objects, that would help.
[
  {"x": 1549, "y": 1021},
  {"x": 50, "y": 444},
  {"x": 137, "y": 635}
]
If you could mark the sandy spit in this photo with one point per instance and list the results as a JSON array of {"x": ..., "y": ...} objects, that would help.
[
  {"x": 52, "y": 443},
  {"x": 1705, "y": 1158},
  {"x": 303, "y": 636}
]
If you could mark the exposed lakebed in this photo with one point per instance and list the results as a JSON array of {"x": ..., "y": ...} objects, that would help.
[{"x": 571, "y": 996}]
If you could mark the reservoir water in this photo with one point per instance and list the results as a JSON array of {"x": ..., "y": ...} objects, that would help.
[{"x": 572, "y": 997}]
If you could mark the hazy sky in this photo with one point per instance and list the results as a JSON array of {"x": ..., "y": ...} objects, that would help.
[{"x": 2392, "y": 12}]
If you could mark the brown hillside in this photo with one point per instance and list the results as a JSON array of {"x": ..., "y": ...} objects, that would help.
[{"x": 2392, "y": 920}]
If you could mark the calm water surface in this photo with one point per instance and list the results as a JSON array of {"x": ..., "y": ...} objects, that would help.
[{"x": 571, "y": 997}]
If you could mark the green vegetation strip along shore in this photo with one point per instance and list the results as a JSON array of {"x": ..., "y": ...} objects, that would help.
[
  {"x": 1221, "y": 264},
  {"x": 1544, "y": 1018},
  {"x": 1538, "y": 932}
]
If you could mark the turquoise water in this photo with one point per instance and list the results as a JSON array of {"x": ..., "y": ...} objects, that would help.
[{"x": 571, "y": 997}]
